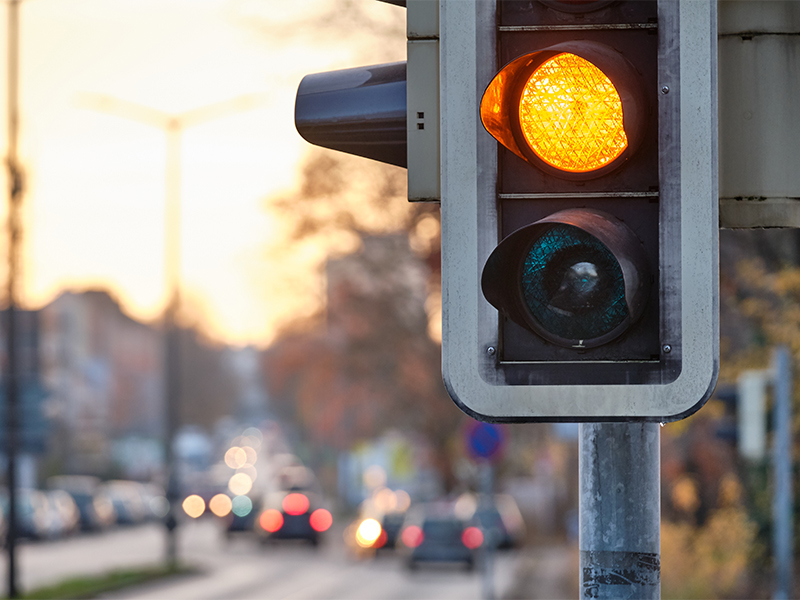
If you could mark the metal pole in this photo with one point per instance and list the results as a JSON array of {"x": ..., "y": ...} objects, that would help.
[
  {"x": 172, "y": 241},
  {"x": 783, "y": 535},
  {"x": 620, "y": 510},
  {"x": 15, "y": 198},
  {"x": 173, "y": 126},
  {"x": 490, "y": 533}
]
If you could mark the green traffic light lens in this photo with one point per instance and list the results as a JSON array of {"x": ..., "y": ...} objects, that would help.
[{"x": 573, "y": 284}]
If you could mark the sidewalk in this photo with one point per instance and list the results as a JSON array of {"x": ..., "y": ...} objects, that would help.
[{"x": 546, "y": 573}]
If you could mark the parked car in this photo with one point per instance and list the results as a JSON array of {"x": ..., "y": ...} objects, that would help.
[
  {"x": 33, "y": 513},
  {"x": 155, "y": 501},
  {"x": 433, "y": 533},
  {"x": 503, "y": 521},
  {"x": 127, "y": 501},
  {"x": 64, "y": 516},
  {"x": 95, "y": 509}
]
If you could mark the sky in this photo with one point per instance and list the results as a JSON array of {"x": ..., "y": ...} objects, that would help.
[{"x": 94, "y": 207}]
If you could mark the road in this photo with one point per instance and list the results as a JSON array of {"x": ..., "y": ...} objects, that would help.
[{"x": 242, "y": 569}]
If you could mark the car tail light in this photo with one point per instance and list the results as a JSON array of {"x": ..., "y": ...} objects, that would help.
[
  {"x": 382, "y": 539},
  {"x": 472, "y": 537},
  {"x": 271, "y": 520},
  {"x": 412, "y": 536},
  {"x": 295, "y": 504},
  {"x": 320, "y": 520}
]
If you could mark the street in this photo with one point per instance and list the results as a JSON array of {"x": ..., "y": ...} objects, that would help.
[{"x": 241, "y": 568}]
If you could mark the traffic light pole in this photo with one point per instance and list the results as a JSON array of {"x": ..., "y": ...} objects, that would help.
[{"x": 620, "y": 510}]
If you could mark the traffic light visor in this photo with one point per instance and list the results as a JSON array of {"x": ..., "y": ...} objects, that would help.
[{"x": 576, "y": 109}]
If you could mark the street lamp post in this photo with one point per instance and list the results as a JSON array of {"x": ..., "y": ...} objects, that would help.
[
  {"x": 173, "y": 126},
  {"x": 15, "y": 189}
]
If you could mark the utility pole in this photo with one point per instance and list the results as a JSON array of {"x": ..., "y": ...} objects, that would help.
[
  {"x": 173, "y": 126},
  {"x": 782, "y": 501},
  {"x": 15, "y": 189}
]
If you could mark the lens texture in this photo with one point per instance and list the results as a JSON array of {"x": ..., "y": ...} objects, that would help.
[
  {"x": 573, "y": 285},
  {"x": 571, "y": 115}
]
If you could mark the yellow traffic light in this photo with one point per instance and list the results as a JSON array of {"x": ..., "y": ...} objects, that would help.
[
  {"x": 570, "y": 114},
  {"x": 576, "y": 110}
]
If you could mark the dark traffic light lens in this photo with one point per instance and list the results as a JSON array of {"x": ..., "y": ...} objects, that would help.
[
  {"x": 579, "y": 278},
  {"x": 573, "y": 285}
]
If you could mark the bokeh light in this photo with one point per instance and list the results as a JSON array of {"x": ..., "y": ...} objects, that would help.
[
  {"x": 255, "y": 435},
  {"x": 385, "y": 500},
  {"x": 368, "y": 533},
  {"x": 271, "y": 520},
  {"x": 295, "y": 504},
  {"x": 465, "y": 506},
  {"x": 235, "y": 457},
  {"x": 241, "y": 506},
  {"x": 403, "y": 500},
  {"x": 472, "y": 537},
  {"x": 240, "y": 484},
  {"x": 382, "y": 539},
  {"x": 194, "y": 506},
  {"x": 374, "y": 477},
  {"x": 250, "y": 470},
  {"x": 220, "y": 505},
  {"x": 320, "y": 520},
  {"x": 412, "y": 536},
  {"x": 251, "y": 455},
  {"x": 159, "y": 506}
]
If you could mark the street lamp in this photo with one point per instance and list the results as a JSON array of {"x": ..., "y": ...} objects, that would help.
[{"x": 173, "y": 126}]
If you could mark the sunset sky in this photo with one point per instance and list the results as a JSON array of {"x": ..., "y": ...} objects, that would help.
[{"x": 94, "y": 205}]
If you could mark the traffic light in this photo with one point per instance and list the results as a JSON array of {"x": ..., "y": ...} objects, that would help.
[
  {"x": 579, "y": 208},
  {"x": 573, "y": 146}
]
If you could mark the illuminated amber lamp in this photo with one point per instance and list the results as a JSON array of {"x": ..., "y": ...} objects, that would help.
[{"x": 575, "y": 109}]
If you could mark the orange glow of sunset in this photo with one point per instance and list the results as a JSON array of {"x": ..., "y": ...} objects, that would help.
[{"x": 95, "y": 197}]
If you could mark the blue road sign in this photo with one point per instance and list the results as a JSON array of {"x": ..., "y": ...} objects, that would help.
[{"x": 485, "y": 441}]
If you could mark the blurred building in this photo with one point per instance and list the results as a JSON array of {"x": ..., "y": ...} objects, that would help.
[
  {"x": 33, "y": 428},
  {"x": 105, "y": 372},
  {"x": 104, "y": 369}
]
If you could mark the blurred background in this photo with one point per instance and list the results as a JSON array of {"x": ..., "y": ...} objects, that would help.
[{"x": 314, "y": 439}]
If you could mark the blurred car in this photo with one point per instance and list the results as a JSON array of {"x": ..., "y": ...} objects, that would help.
[
  {"x": 372, "y": 532},
  {"x": 380, "y": 519},
  {"x": 155, "y": 501},
  {"x": 127, "y": 501},
  {"x": 64, "y": 516},
  {"x": 502, "y": 521},
  {"x": 33, "y": 513},
  {"x": 294, "y": 514},
  {"x": 95, "y": 509},
  {"x": 434, "y": 534},
  {"x": 242, "y": 519},
  {"x": 392, "y": 525}
]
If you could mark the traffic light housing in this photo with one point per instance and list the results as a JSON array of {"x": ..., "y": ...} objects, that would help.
[
  {"x": 573, "y": 146},
  {"x": 579, "y": 208}
]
